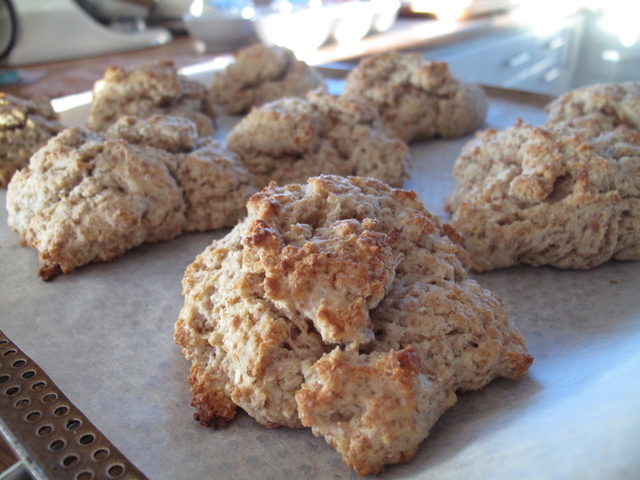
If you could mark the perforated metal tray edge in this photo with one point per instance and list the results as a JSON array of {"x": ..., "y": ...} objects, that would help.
[{"x": 52, "y": 437}]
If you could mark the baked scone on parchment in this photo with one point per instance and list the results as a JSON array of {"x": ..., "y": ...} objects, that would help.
[
  {"x": 613, "y": 104},
  {"x": 260, "y": 74},
  {"x": 87, "y": 197},
  {"x": 25, "y": 126},
  {"x": 291, "y": 139},
  {"x": 553, "y": 195},
  {"x": 148, "y": 89},
  {"x": 344, "y": 306},
  {"x": 417, "y": 99}
]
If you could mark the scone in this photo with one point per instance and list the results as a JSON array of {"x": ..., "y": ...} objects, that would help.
[
  {"x": 417, "y": 99},
  {"x": 150, "y": 89},
  {"x": 614, "y": 104},
  {"x": 87, "y": 197},
  {"x": 25, "y": 126},
  {"x": 344, "y": 306},
  {"x": 550, "y": 195},
  {"x": 292, "y": 139},
  {"x": 260, "y": 74}
]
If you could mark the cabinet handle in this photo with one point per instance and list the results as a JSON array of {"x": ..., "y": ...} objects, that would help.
[
  {"x": 551, "y": 75},
  {"x": 555, "y": 43},
  {"x": 519, "y": 59}
]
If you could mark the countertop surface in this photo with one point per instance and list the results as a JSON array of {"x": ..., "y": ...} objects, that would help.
[{"x": 66, "y": 77}]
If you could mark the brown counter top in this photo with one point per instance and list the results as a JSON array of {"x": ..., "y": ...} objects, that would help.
[{"x": 61, "y": 78}]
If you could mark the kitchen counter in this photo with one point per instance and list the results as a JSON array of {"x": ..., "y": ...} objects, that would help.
[
  {"x": 506, "y": 49},
  {"x": 73, "y": 76}
]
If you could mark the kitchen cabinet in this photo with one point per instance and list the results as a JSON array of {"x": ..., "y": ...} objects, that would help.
[
  {"x": 532, "y": 59},
  {"x": 550, "y": 58}
]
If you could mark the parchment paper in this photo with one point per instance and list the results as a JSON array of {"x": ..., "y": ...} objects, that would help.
[{"x": 105, "y": 335}]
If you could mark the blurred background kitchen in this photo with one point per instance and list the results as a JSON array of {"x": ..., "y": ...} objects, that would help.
[{"x": 544, "y": 46}]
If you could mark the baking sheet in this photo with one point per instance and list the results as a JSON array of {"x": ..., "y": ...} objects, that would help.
[{"x": 104, "y": 334}]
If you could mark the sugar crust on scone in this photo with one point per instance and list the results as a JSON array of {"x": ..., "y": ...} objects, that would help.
[
  {"x": 417, "y": 99},
  {"x": 148, "y": 89},
  {"x": 25, "y": 126},
  {"x": 551, "y": 195},
  {"x": 260, "y": 74},
  {"x": 616, "y": 103},
  {"x": 87, "y": 197},
  {"x": 344, "y": 306},
  {"x": 291, "y": 139}
]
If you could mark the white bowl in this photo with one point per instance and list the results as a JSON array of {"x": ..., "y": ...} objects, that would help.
[
  {"x": 385, "y": 14},
  {"x": 353, "y": 21},
  {"x": 220, "y": 31},
  {"x": 301, "y": 30}
]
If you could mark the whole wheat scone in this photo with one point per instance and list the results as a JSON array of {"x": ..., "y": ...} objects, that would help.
[
  {"x": 261, "y": 74},
  {"x": 344, "y": 306},
  {"x": 87, "y": 197},
  {"x": 150, "y": 89},
  {"x": 25, "y": 126},
  {"x": 292, "y": 139},
  {"x": 613, "y": 104},
  {"x": 417, "y": 99},
  {"x": 550, "y": 195}
]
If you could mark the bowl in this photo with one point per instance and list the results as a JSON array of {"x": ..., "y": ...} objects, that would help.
[
  {"x": 220, "y": 31},
  {"x": 298, "y": 30},
  {"x": 385, "y": 14},
  {"x": 352, "y": 21}
]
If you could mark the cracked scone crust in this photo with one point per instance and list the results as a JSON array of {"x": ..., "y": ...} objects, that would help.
[
  {"x": 260, "y": 74},
  {"x": 417, "y": 99},
  {"x": 150, "y": 89},
  {"x": 613, "y": 104},
  {"x": 292, "y": 139},
  {"x": 551, "y": 195},
  {"x": 87, "y": 197},
  {"x": 344, "y": 306},
  {"x": 25, "y": 126}
]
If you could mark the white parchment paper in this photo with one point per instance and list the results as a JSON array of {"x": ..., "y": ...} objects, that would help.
[{"x": 104, "y": 334}]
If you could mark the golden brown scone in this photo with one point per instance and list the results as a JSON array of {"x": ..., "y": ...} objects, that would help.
[
  {"x": 417, "y": 99},
  {"x": 150, "y": 89},
  {"x": 344, "y": 306},
  {"x": 87, "y": 197},
  {"x": 261, "y": 74},
  {"x": 614, "y": 104},
  {"x": 292, "y": 139},
  {"x": 551, "y": 195},
  {"x": 25, "y": 126}
]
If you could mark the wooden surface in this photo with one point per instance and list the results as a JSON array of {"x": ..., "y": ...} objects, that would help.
[{"x": 61, "y": 78}]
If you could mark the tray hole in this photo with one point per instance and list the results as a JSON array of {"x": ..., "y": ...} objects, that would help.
[
  {"x": 84, "y": 476},
  {"x": 101, "y": 454},
  {"x": 70, "y": 461},
  {"x": 45, "y": 430},
  {"x": 87, "y": 439},
  {"x": 4, "y": 378},
  {"x": 19, "y": 363},
  {"x": 28, "y": 374},
  {"x": 115, "y": 470},
  {"x": 73, "y": 424},
  {"x": 12, "y": 391},
  {"x": 61, "y": 411},
  {"x": 33, "y": 416},
  {"x": 49, "y": 398},
  {"x": 9, "y": 353},
  {"x": 38, "y": 386},
  {"x": 56, "y": 445},
  {"x": 23, "y": 403}
]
